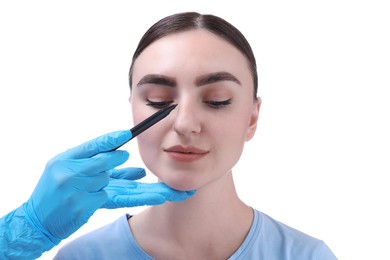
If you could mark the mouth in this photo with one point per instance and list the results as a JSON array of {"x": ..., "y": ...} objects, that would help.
[{"x": 185, "y": 154}]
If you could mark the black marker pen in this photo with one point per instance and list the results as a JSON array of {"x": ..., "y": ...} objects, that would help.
[{"x": 148, "y": 122}]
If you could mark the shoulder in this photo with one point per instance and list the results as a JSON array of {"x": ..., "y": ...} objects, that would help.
[
  {"x": 104, "y": 243},
  {"x": 271, "y": 239}
]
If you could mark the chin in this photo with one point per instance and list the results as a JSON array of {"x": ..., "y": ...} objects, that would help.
[{"x": 180, "y": 184}]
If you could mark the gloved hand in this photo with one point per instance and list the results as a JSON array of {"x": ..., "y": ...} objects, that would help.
[{"x": 79, "y": 181}]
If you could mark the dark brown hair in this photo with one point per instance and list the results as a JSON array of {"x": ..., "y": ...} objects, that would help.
[{"x": 189, "y": 21}]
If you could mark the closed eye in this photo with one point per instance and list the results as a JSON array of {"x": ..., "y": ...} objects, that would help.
[
  {"x": 218, "y": 104},
  {"x": 158, "y": 104}
]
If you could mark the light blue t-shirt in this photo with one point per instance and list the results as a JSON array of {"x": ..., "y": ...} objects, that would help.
[{"x": 267, "y": 239}]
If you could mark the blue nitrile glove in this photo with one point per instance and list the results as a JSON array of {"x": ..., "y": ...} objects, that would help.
[
  {"x": 122, "y": 192},
  {"x": 73, "y": 186}
]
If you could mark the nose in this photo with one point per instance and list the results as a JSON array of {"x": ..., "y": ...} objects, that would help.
[{"x": 187, "y": 120}]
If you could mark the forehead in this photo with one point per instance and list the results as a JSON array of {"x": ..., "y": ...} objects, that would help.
[{"x": 196, "y": 51}]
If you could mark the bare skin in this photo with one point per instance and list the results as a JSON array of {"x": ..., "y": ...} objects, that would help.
[{"x": 211, "y": 225}]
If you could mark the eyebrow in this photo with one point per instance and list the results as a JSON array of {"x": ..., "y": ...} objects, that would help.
[
  {"x": 200, "y": 81},
  {"x": 158, "y": 80},
  {"x": 215, "y": 77}
]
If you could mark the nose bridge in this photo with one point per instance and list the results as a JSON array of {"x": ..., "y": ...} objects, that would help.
[{"x": 187, "y": 117}]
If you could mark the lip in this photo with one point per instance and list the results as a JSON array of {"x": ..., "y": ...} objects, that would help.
[{"x": 185, "y": 153}]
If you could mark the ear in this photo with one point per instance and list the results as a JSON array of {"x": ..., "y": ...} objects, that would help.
[{"x": 253, "y": 119}]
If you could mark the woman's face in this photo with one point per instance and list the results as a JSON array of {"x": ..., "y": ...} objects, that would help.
[{"x": 203, "y": 137}]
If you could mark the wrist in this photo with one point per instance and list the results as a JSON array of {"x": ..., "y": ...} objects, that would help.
[
  {"x": 30, "y": 217},
  {"x": 20, "y": 239}
]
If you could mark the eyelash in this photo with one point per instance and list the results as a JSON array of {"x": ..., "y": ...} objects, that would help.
[
  {"x": 211, "y": 103},
  {"x": 218, "y": 104},
  {"x": 159, "y": 104}
]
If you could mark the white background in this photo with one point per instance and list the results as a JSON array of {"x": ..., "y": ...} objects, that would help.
[{"x": 321, "y": 154}]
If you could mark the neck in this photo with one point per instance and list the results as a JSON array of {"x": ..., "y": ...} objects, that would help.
[
  {"x": 214, "y": 217},
  {"x": 213, "y": 201}
]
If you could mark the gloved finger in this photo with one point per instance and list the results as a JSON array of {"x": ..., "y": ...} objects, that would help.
[
  {"x": 169, "y": 193},
  {"x": 98, "y": 163},
  {"x": 131, "y": 173},
  {"x": 127, "y": 187},
  {"x": 161, "y": 188},
  {"x": 117, "y": 188},
  {"x": 103, "y": 143},
  {"x": 124, "y": 201}
]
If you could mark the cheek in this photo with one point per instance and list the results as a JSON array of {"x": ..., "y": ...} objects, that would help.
[
  {"x": 231, "y": 142},
  {"x": 139, "y": 113},
  {"x": 229, "y": 137},
  {"x": 235, "y": 133},
  {"x": 233, "y": 128},
  {"x": 149, "y": 149},
  {"x": 146, "y": 141}
]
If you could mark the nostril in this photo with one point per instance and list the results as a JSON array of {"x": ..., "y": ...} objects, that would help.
[{"x": 186, "y": 122}]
